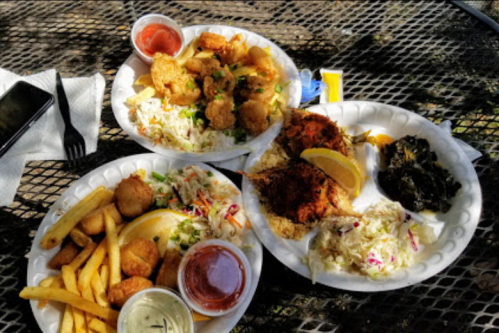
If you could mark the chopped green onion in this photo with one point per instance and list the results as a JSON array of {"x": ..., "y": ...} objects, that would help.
[
  {"x": 218, "y": 75},
  {"x": 259, "y": 90},
  {"x": 190, "y": 84},
  {"x": 218, "y": 96},
  {"x": 278, "y": 88},
  {"x": 210, "y": 174},
  {"x": 287, "y": 84},
  {"x": 158, "y": 176},
  {"x": 220, "y": 90}
]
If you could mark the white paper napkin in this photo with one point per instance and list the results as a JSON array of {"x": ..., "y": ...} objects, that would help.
[{"x": 44, "y": 141}]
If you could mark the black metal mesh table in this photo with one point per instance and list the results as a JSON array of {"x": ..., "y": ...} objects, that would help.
[{"x": 428, "y": 57}]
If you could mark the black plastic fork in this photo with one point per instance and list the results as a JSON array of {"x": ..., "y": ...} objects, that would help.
[{"x": 74, "y": 143}]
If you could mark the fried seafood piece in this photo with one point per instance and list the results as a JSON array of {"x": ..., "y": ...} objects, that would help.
[
  {"x": 258, "y": 89},
  {"x": 185, "y": 91},
  {"x": 93, "y": 223},
  {"x": 303, "y": 130},
  {"x": 167, "y": 275},
  {"x": 139, "y": 257},
  {"x": 121, "y": 292},
  {"x": 203, "y": 66},
  {"x": 253, "y": 116},
  {"x": 219, "y": 112},
  {"x": 220, "y": 85},
  {"x": 211, "y": 41},
  {"x": 133, "y": 196},
  {"x": 302, "y": 192},
  {"x": 164, "y": 71},
  {"x": 233, "y": 52},
  {"x": 64, "y": 256},
  {"x": 262, "y": 60}
]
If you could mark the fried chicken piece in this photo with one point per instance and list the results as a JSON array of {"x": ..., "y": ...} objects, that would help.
[
  {"x": 219, "y": 112},
  {"x": 164, "y": 71},
  {"x": 93, "y": 223},
  {"x": 253, "y": 116},
  {"x": 233, "y": 52},
  {"x": 167, "y": 275},
  {"x": 303, "y": 130},
  {"x": 211, "y": 41},
  {"x": 121, "y": 292},
  {"x": 133, "y": 196},
  {"x": 203, "y": 66},
  {"x": 258, "y": 89},
  {"x": 64, "y": 256},
  {"x": 302, "y": 192},
  {"x": 221, "y": 85},
  {"x": 185, "y": 91},
  {"x": 261, "y": 59},
  {"x": 139, "y": 257}
]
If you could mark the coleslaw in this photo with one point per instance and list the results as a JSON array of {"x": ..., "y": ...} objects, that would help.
[
  {"x": 211, "y": 204},
  {"x": 384, "y": 240}
]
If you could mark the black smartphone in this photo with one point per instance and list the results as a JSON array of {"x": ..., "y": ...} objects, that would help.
[{"x": 20, "y": 107}]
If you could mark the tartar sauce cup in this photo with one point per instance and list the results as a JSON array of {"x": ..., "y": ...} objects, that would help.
[
  {"x": 214, "y": 277},
  {"x": 154, "y": 308},
  {"x": 148, "y": 19}
]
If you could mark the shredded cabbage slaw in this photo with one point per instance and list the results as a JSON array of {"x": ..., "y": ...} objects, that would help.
[
  {"x": 385, "y": 239},
  {"x": 210, "y": 203}
]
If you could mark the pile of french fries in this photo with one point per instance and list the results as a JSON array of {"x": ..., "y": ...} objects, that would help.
[{"x": 84, "y": 282}]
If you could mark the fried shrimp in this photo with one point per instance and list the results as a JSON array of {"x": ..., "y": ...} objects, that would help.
[
  {"x": 164, "y": 72},
  {"x": 93, "y": 223},
  {"x": 258, "y": 89},
  {"x": 233, "y": 52},
  {"x": 219, "y": 84},
  {"x": 219, "y": 112},
  {"x": 253, "y": 117},
  {"x": 121, "y": 292},
  {"x": 212, "y": 41},
  {"x": 184, "y": 92},
  {"x": 133, "y": 196},
  {"x": 258, "y": 57},
  {"x": 139, "y": 257},
  {"x": 64, "y": 256},
  {"x": 167, "y": 275},
  {"x": 203, "y": 66}
]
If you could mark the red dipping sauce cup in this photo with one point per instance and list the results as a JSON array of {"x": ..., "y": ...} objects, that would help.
[
  {"x": 214, "y": 277},
  {"x": 156, "y": 33}
]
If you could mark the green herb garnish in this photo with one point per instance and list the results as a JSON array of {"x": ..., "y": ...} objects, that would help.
[
  {"x": 158, "y": 176},
  {"x": 278, "y": 88},
  {"x": 259, "y": 90},
  {"x": 217, "y": 97},
  {"x": 210, "y": 174},
  {"x": 219, "y": 74}
]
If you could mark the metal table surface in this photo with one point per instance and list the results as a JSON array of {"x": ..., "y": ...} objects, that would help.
[{"x": 428, "y": 57}]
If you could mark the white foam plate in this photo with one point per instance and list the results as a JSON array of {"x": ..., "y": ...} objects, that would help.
[
  {"x": 110, "y": 175},
  {"x": 123, "y": 87},
  {"x": 454, "y": 228}
]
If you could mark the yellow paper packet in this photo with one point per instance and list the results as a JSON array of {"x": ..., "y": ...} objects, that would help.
[{"x": 334, "y": 86}]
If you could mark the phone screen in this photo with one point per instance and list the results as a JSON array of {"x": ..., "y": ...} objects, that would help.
[{"x": 19, "y": 108}]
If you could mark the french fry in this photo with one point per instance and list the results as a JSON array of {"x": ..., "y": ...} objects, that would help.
[
  {"x": 144, "y": 80},
  {"x": 204, "y": 54},
  {"x": 104, "y": 276},
  {"x": 99, "y": 291},
  {"x": 67, "y": 297},
  {"x": 47, "y": 281},
  {"x": 187, "y": 53},
  {"x": 67, "y": 320},
  {"x": 101, "y": 326},
  {"x": 71, "y": 218},
  {"x": 56, "y": 283},
  {"x": 145, "y": 94},
  {"x": 92, "y": 265},
  {"x": 199, "y": 317},
  {"x": 89, "y": 296},
  {"x": 69, "y": 278},
  {"x": 244, "y": 71},
  {"x": 107, "y": 197},
  {"x": 113, "y": 250},
  {"x": 79, "y": 237},
  {"x": 83, "y": 256}
]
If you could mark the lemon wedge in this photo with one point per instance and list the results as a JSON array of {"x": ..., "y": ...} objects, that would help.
[
  {"x": 155, "y": 225},
  {"x": 337, "y": 166}
]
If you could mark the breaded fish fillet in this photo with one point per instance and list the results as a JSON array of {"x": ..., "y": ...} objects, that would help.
[
  {"x": 303, "y": 130},
  {"x": 302, "y": 192}
]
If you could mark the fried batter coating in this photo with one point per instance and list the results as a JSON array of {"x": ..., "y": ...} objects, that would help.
[
  {"x": 219, "y": 112},
  {"x": 203, "y": 66},
  {"x": 167, "y": 275},
  {"x": 121, "y": 292},
  {"x": 222, "y": 85},
  {"x": 302, "y": 192},
  {"x": 258, "y": 57},
  {"x": 93, "y": 223},
  {"x": 133, "y": 196},
  {"x": 64, "y": 256},
  {"x": 211, "y": 41},
  {"x": 253, "y": 117},
  {"x": 233, "y": 52},
  {"x": 303, "y": 130},
  {"x": 164, "y": 71},
  {"x": 184, "y": 92},
  {"x": 139, "y": 257},
  {"x": 258, "y": 89}
]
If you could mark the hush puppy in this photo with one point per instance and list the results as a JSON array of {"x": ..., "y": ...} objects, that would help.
[
  {"x": 139, "y": 257},
  {"x": 133, "y": 196}
]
